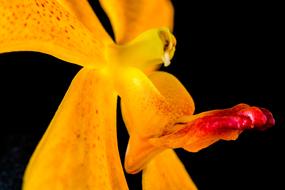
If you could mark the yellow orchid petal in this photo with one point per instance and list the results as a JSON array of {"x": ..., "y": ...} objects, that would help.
[
  {"x": 49, "y": 27},
  {"x": 175, "y": 93},
  {"x": 149, "y": 105},
  {"x": 130, "y": 18},
  {"x": 166, "y": 171},
  {"x": 139, "y": 152},
  {"x": 84, "y": 12},
  {"x": 151, "y": 108},
  {"x": 79, "y": 149}
]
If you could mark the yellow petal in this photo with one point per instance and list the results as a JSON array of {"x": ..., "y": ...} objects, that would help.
[
  {"x": 84, "y": 12},
  {"x": 148, "y": 107},
  {"x": 142, "y": 102},
  {"x": 151, "y": 103},
  {"x": 166, "y": 171},
  {"x": 130, "y": 18},
  {"x": 174, "y": 92},
  {"x": 138, "y": 153},
  {"x": 79, "y": 149},
  {"x": 49, "y": 27}
]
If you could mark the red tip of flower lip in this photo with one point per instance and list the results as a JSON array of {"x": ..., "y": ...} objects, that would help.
[
  {"x": 270, "y": 119},
  {"x": 245, "y": 118},
  {"x": 261, "y": 118}
]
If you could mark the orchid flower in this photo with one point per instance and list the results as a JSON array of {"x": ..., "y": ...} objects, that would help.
[{"x": 79, "y": 149}]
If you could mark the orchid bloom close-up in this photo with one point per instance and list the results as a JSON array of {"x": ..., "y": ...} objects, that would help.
[{"x": 79, "y": 150}]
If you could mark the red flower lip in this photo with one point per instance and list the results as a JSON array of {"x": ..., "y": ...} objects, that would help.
[
  {"x": 206, "y": 128},
  {"x": 238, "y": 118}
]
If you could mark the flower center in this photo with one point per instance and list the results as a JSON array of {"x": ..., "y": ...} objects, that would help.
[{"x": 146, "y": 52}]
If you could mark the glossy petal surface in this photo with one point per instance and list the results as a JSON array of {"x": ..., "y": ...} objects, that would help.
[
  {"x": 130, "y": 18},
  {"x": 49, "y": 27},
  {"x": 79, "y": 149},
  {"x": 166, "y": 171}
]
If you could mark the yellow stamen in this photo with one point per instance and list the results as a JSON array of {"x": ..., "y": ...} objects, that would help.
[{"x": 166, "y": 59}]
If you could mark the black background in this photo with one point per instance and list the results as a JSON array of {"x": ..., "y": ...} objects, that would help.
[{"x": 227, "y": 53}]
